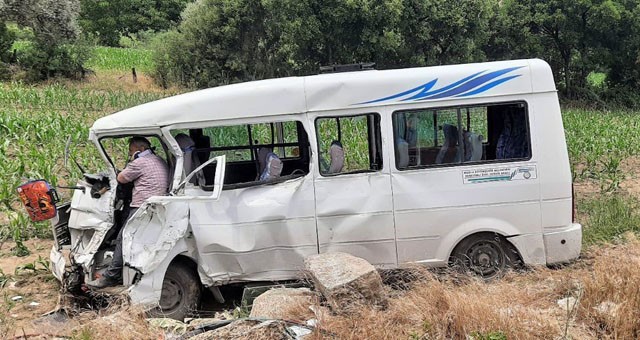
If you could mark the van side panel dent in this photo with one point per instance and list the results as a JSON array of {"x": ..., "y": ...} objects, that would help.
[
  {"x": 152, "y": 233},
  {"x": 262, "y": 232}
]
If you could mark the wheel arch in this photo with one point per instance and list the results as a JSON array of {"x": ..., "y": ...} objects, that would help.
[
  {"x": 514, "y": 250},
  {"x": 148, "y": 290},
  {"x": 475, "y": 227}
]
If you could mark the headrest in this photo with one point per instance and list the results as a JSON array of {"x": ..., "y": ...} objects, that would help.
[
  {"x": 185, "y": 142},
  {"x": 262, "y": 157}
]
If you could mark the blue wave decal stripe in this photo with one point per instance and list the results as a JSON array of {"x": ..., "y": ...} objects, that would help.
[
  {"x": 423, "y": 87},
  {"x": 472, "y": 84},
  {"x": 424, "y": 92},
  {"x": 488, "y": 86}
]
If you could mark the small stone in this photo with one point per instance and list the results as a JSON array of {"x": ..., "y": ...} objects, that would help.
[
  {"x": 16, "y": 298},
  {"x": 34, "y": 304}
]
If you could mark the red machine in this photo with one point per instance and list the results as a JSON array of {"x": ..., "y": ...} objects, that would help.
[{"x": 39, "y": 198}]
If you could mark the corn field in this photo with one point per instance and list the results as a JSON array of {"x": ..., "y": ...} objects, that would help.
[
  {"x": 35, "y": 124},
  {"x": 120, "y": 59}
]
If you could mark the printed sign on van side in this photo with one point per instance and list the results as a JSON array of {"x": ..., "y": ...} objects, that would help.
[{"x": 496, "y": 174}]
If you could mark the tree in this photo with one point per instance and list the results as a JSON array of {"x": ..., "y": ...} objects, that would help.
[
  {"x": 110, "y": 19},
  {"x": 54, "y": 51},
  {"x": 444, "y": 32}
]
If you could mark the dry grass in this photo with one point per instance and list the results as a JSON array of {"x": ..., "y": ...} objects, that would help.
[
  {"x": 610, "y": 304},
  {"x": 119, "y": 322},
  {"x": 600, "y": 297}
]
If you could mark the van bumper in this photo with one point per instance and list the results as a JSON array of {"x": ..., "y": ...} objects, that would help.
[{"x": 563, "y": 244}]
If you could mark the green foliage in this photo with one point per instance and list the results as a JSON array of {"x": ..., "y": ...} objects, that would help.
[
  {"x": 227, "y": 41},
  {"x": 108, "y": 20},
  {"x": 45, "y": 60},
  {"x": 223, "y": 41},
  {"x": 52, "y": 51},
  {"x": 7, "y": 37}
]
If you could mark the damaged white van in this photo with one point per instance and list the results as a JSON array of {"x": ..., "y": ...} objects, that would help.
[{"x": 427, "y": 165}]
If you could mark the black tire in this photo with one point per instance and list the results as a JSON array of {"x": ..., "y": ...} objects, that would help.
[
  {"x": 486, "y": 255},
  {"x": 181, "y": 291}
]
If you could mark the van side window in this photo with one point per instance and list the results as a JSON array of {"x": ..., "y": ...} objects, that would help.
[
  {"x": 460, "y": 135},
  {"x": 349, "y": 144},
  {"x": 285, "y": 142}
]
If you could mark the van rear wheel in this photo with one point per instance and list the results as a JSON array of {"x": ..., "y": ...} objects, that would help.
[
  {"x": 181, "y": 291},
  {"x": 485, "y": 255}
]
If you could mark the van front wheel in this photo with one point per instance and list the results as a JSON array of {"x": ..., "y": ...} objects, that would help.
[
  {"x": 181, "y": 292},
  {"x": 486, "y": 255}
]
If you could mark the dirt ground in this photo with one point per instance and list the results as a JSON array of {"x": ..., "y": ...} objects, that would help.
[{"x": 28, "y": 290}]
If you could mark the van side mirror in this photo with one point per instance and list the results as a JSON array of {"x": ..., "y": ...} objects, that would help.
[{"x": 217, "y": 182}]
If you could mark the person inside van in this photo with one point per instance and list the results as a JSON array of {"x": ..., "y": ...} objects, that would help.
[
  {"x": 150, "y": 176},
  {"x": 449, "y": 152}
]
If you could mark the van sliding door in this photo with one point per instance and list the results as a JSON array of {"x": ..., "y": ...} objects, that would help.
[{"x": 353, "y": 190}]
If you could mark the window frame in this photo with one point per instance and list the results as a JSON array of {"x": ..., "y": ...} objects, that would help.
[
  {"x": 377, "y": 141},
  {"x": 462, "y": 107},
  {"x": 302, "y": 141},
  {"x": 251, "y": 147}
]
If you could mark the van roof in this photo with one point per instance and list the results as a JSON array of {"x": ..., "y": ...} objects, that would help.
[{"x": 274, "y": 97}]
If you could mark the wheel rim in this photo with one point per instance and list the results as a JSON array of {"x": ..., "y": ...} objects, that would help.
[
  {"x": 485, "y": 258},
  {"x": 171, "y": 297}
]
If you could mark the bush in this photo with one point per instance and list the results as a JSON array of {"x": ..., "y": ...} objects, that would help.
[
  {"x": 7, "y": 37},
  {"x": 167, "y": 51},
  {"x": 623, "y": 96},
  {"x": 43, "y": 60}
]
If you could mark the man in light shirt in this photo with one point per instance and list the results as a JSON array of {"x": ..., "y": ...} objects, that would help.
[{"x": 150, "y": 176}]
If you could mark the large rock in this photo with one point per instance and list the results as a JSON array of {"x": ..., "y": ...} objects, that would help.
[
  {"x": 346, "y": 281},
  {"x": 276, "y": 303}
]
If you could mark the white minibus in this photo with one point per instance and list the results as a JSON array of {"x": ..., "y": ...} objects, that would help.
[{"x": 434, "y": 165}]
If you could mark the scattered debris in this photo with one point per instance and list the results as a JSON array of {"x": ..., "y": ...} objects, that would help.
[
  {"x": 275, "y": 303},
  {"x": 346, "y": 281},
  {"x": 171, "y": 326},
  {"x": 607, "y": 310},
  {"x": 34, "y": 304},
  {"x": 253, "y": 328},
  {"x": 16, "y": 298},
  {"x": 568, "y": 303}
]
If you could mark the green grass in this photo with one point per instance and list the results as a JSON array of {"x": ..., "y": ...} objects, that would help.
[
  {"x": 120, "y": 59},
  {"x": 608, "y": 218}
]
